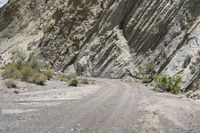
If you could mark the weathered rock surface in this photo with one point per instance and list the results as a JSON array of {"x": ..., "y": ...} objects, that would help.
[{"x": 107, "y": 38}]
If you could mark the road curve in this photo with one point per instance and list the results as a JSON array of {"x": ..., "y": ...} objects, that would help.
[{"x": 117, "y": 107}]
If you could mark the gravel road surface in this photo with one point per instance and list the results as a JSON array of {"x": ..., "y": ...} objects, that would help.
[{"x": 109, "y": 106}]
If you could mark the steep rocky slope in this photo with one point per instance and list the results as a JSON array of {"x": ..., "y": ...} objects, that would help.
[{"x": 106, "y": 38}]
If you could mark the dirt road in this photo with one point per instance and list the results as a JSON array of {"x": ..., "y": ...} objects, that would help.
[{"x": 115, "y": 107}]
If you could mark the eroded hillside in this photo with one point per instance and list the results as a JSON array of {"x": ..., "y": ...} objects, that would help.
[{"x": 106, "y": 38}]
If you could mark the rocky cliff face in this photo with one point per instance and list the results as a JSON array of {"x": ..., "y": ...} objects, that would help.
[{"x": 107, "y": 38}]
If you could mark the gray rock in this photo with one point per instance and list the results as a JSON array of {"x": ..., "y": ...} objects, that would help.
[{"x": 106, "y": 38}]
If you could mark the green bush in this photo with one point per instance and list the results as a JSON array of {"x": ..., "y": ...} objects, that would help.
[
  {"x": 49, "y": 73},
  {"x": 73, "y": 82},
  {"x": 10, "y": 83},
  {"x": 15, "y": 69},
  {"x": 167, "y": 83},
  {"x": 25, "y": 69},
  {"x": 27, "y": 72},
  {"x": 147, "y": 72},
  {"x": 11, "y": 71},
  {"x": 176, "y": 84},
  {"x": 39, "y": 79},
  {"x": 162, "y": 82}
]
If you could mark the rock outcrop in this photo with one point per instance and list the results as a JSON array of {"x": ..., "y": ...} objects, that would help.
[{"x": 107, "y": 38}]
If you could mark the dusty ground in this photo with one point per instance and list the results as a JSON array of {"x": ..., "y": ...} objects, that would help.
[{"x": 108, "y": 106}]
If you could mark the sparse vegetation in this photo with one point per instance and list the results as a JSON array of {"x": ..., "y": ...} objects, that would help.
[
  {"x": 62, "y": 77},
  {"x": 27, "y": 72},
  {"x": 40, "y": 79},
  {"x": 84, "y": 81},
  {"x": 27, "y": 68},
  {"x": 49, "y": 73},
  {"x": 147, "y": 72},
  {"x": 161, "y": 82},
  {"x": 73, "y": 82},
  {"x": 18, "y": 57},
  {"x": 11, "y": 71},
  {"x": 24, "y": 69},
  {"x": 10, "y": 83},
  {"x": 34, "y": 62},
  {"x": 166, "y": 83}
]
